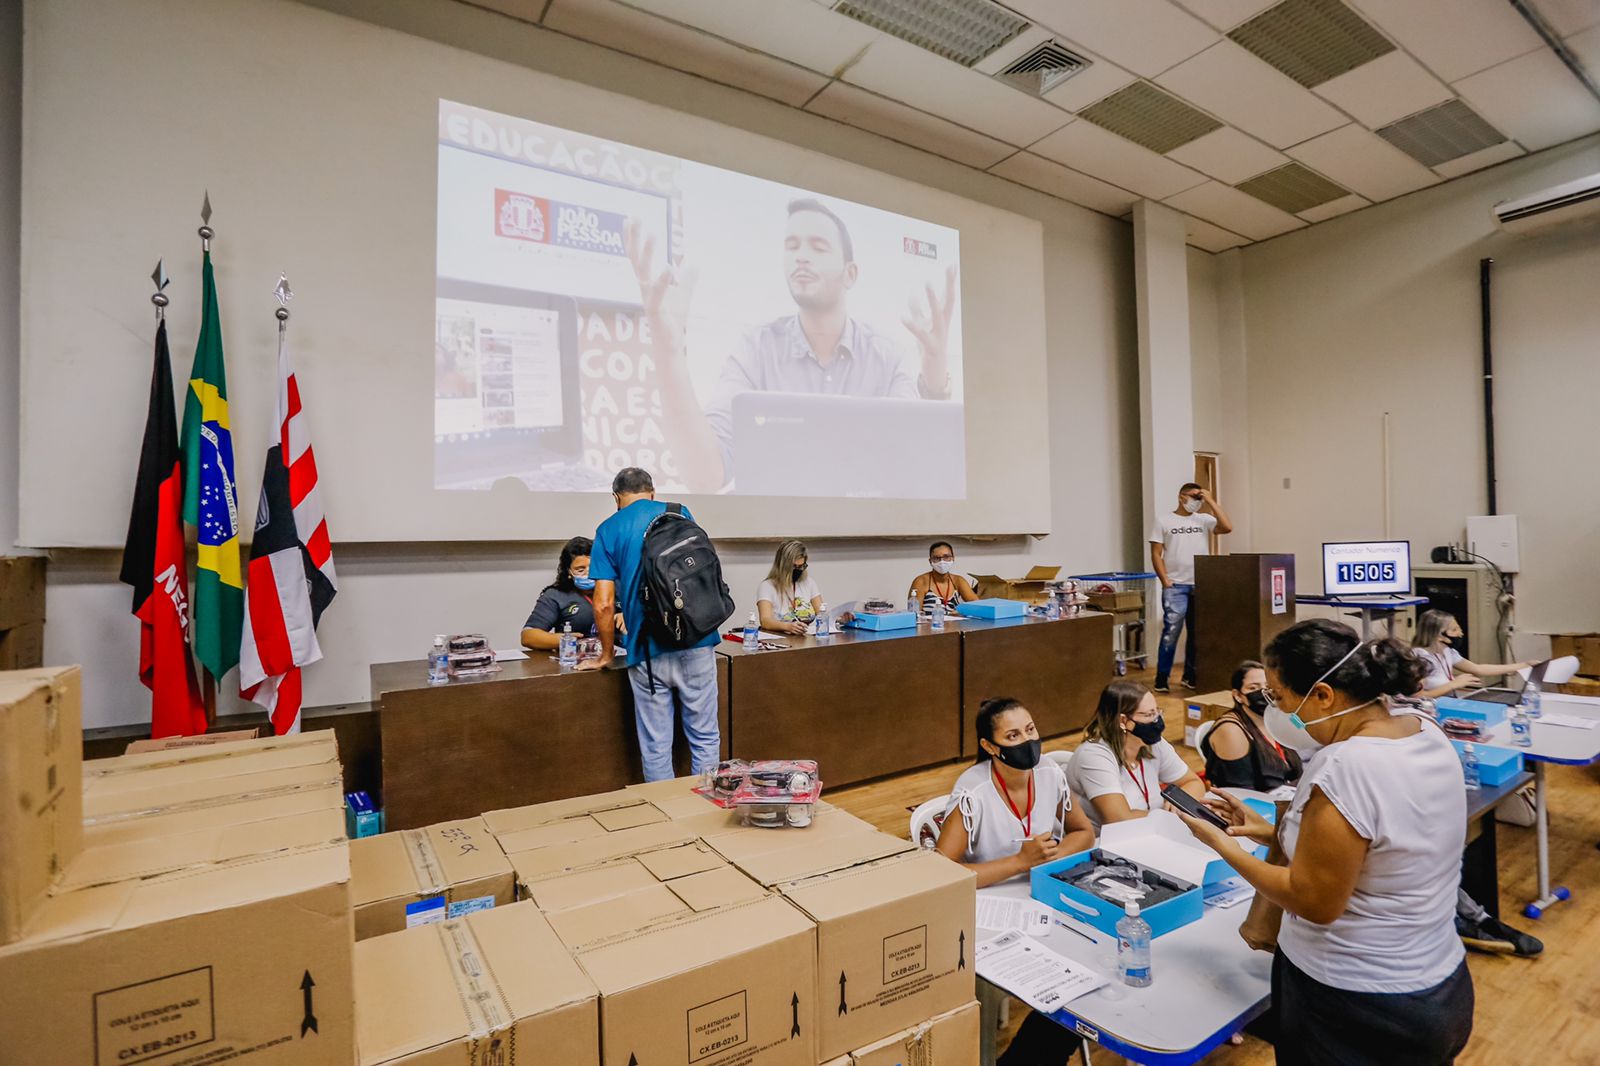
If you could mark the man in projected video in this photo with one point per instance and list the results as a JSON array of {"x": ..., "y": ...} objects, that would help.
[{"x": 820, "y": 349}]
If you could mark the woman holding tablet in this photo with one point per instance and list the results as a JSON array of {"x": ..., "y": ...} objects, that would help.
[
  {"x": 1368, "y": 967},
  {"x": 1123, "y": 762}
]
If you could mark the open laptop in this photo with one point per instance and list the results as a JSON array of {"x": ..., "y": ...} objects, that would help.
[
  {"x": 799, "y": 444},
  {"x": 1510, "y": 694}
]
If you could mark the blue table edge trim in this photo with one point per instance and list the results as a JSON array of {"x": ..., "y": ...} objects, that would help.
[{"x": 1149, "y": 1056}]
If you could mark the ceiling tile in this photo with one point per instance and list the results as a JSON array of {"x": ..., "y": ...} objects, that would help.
[
  {"x": 1233, "y": 210},
  {"x": 1568, "y": 17},
  {"x": 1453, "y": 38},
  {"x": 1085, "y": 147},
  {"x": 1228, "y": 155},
  {"x": 1145, "y": 36},
  {"x": 1342, "y": 206},
  {"x": 797, "y": 30},
  {"x": 905, "y": 72},
  {"x": 1390, "y": 87},
  {"x": 1488, "y": 157},
  {"x": 1205, "y": 236},
  {"x": 526, "y": 10},
  {"x": 1100, "y": 80},
  {"x": 1365, "y": 163},
  {"x": 1240, "y": 89},
  {"x": 1534, "y": 99},
  {"x": 1226, "y": 14},
  {"x": 627, "y": 29},
  {"x": 895, "y": 120},
  {"x": 1586, "y": 46},
  {"x": 1025, "y": 168}
]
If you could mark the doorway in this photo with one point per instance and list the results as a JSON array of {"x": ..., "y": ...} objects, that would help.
[{"x": 1205, "y": 475}]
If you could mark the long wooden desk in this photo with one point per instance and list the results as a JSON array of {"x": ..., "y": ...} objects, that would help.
[{"x": 1056, "y": 669}]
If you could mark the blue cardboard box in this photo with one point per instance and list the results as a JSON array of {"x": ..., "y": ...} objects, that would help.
[
  {"x": 361, "y": 817},
  {"x": 1496, "y": 766},
  {"x": 1490, "y": 714},
  {"x": 882, "y": 622},
  {"x": 1104, "y": 914},
  {"x": 993, "y": 608}
]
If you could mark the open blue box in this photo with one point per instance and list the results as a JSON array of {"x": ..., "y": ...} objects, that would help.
[
  {"x": 993, "y": 608},
  {"x": 1496, "y": 766},
  {"x": 1483, "y": 711},
  {"x": 881, "y": 622}
]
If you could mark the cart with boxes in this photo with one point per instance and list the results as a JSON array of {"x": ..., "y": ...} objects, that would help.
[{"x": 1122, "y": 595}]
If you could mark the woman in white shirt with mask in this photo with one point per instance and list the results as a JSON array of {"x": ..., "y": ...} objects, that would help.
[
  {"x": 788, "y": 600},
  {"x": 1438, "y": 634},
  {"x": 1368, "y": 967},
  {"x": 1123, "y": 762}
]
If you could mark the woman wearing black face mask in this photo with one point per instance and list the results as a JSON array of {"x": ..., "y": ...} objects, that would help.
[
  {"x": 1438, "y": 644},
  {"x": 1238, "y": 751},
  {"x": 1015, "y": 810},
  {"x": 1122, "y": 764},
  {"x": 789, "y": 598}
]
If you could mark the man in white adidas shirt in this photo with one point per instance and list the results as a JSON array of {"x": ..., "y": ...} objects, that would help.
[{"x": 1175, "y": 540}]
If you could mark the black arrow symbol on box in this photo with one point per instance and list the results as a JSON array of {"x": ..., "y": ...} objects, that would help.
[
  {"x": 633, "y": 1060},
  {"x": 842, "y": 1008},
  {"x": 309, "y": 1022},
  {"x": 961, "y": 964},
  {"x": 795, "y": 1005}
]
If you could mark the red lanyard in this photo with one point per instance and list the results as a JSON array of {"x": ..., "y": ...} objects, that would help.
[
  {"x": 937, "y": 591},
  {"x": 1000, "y": 786},
  {"x": 1142, "y": 783}
]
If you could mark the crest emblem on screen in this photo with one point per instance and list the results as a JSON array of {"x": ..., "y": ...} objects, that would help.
[{"x": 519, "y": 215}]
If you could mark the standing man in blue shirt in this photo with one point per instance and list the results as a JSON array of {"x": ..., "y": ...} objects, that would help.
[{"x": 685, "y": 678}]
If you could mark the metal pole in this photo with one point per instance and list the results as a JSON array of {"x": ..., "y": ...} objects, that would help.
[{"x": 1485, "y": 287}]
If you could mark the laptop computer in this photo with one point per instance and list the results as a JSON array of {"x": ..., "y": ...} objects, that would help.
[
  {"x": 1510, "y": 694},
  {"x": 799, "y": 444}
]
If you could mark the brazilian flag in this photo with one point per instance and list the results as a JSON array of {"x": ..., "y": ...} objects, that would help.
[{"x": 211, "y": 496}]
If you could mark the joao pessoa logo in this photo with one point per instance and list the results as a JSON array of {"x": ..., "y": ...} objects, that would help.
[
  {"x": 524, "y": 217},
  {"x": 520, "y": 216}
]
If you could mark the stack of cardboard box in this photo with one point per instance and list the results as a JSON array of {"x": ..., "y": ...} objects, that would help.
[
  {"x": 419, "y": 876},
  {"x": 1586, "y": 646},
  {"x": 22, "y": 612}
]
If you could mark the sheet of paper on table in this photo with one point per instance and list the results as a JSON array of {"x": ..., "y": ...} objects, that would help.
[
  {"x": 509, "y": 654},
  {"x": 1007, "y": 915},
  {"x": 1569, "y": 721},
  {"x": 1229, "y": 893},
  {"x": 1043, "y": 979}
]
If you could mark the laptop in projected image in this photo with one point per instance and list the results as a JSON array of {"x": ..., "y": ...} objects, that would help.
[{"x": 797, "y": 444}]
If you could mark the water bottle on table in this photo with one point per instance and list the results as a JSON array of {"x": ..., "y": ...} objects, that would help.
[
  {"x": 823, "y": 628},
  {"x": 567, "y": 647},
  {"x": 936, "y": 615},
  {"x": 1133, "y": 948},
  {"x": 752, "y": 633},
  {"x": 438, "y": 662},
  {"x": 1532, "y": 699},
  {"x": 1052, "y": 607},
  {"x": 1469, "y": 766},
  {"x": 1521, "y": 728}
]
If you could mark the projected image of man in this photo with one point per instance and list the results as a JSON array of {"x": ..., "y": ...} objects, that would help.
[{"x": 820, "y": 349}]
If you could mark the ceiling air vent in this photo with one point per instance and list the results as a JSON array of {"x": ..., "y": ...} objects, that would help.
[
  {"x": 1440, "y": 134},
  {"x": 1312, "y": 41},
  {"x": 1146, "y": 115},
  {"x": 962, "y": 30},
  {"x": 1043, "y": 68},
  {"x": 1293, "y": 188}
]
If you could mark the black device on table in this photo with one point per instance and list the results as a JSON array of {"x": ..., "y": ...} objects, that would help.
[{"x": 1191, "y": 806}]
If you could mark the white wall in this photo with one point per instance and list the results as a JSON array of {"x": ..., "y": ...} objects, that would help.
[
  {"x": 1378, "y": 311},
  {"x": 1218, "y": 383},
  {"x": 393, "y": 597},
  {"x": 10, "y": 226}
]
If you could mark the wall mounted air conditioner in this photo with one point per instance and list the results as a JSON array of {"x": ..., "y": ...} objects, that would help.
[{"x": 1551, "y": 207}]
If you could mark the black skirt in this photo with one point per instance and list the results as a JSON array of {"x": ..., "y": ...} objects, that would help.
[{"x": 1319, "y": 1025}]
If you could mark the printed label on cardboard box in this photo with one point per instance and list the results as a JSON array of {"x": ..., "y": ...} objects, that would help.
[
  {"x": 905, "y": 954},
  {"x": 717, "y": 1026},
  {"x": 140, "y": 1022},
  {"x": 468, "y": 906},
  {"x": 426, "y": 911}
]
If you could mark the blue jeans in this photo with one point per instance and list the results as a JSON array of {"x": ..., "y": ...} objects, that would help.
[
  {"x": 686, "y": 679},
  {"x": 1177, "y": 611}
]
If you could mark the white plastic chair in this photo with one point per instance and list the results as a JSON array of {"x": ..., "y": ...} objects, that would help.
[
  {"x": 927, "y": 819},
  {"x": 1062, "y": 759},
  {"x": 1200, "y": 734}
]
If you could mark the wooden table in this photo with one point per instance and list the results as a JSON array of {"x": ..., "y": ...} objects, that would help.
[
  {"x": 525, "y": 735},
  {"x": 1056, "y": 669}
]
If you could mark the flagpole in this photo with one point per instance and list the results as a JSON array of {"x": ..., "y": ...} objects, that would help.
[{"x": 208, "y": 684}]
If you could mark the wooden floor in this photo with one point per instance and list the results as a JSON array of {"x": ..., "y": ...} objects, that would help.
[{"x": 1544, "y": 1010}]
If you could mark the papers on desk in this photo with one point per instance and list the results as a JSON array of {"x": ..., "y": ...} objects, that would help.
[
  {"x": 1041, "y": 978},
  {"x": 1012, "y": 915},
  {"x": 1229, "y": 893},
  {"x": 1567, "y": 721},
  {"x": 509, "y": 655}
]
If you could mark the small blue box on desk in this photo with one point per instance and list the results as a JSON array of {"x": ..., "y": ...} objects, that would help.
[
  {"x": 1490, "y": 714},
  {"x": 1496, "y": 766},
  {"x": 882, "y": 622},
  {"x": 361, "y": 817},
  {"x": 993, "y": 608},
  {"x": 1104, "y": 914}
]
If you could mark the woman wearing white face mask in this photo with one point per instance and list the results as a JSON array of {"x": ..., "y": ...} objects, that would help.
[
  {"x": 1368, "y": 967},
  {"x": 1438, "y": 642},
  {"x": 941, "y": 580}
]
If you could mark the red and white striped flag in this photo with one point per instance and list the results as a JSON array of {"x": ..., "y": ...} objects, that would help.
[{"x": 291, "y": 579}]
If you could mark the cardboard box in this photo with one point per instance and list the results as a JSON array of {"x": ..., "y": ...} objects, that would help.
[
  {"x": 21, "y": 590},
  {"x": 227, "y": 736},
  {"x": 835, "y": 840},
  {"x": 732, "y": 985},
  {"x": 894, "y": 945},
  {"x": 22, "y": 647},
  {"x": 951, "y": 1039},
  {"x": 567, "y": 821},
  {"x": 1496, "y": 766},
  {"x": 41, "y": 787},
  {"x": 188, "y": 778},
  {"x": 248, "y": 963},
  {"x": 473, "y": 990},
  {"x": 1582, "y": 686},
  {"x": 992, "y": 609},
  {"x": 1033, "y": 587},
  {"x": 889, "y": 620},
  {"x": 1586, "y": 646},
  {"x": 1116, "y": 602},
  {"x": 1198, "y": 710},
  {"x": 594, "y": 851},
  {"x": 419, "y": 876},
  {"x": 1485, "y": 712}
]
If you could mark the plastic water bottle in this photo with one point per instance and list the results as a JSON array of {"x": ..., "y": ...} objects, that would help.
[
  {"x": 752, "y": 633},
  {"x": 1469, "y": 766},
  {"x": 438, "y": 662},
  {"x": 912, "y": 605},
  {"x": 823, "y": 628},
  {"x": 1532, "y": 699},
  {"x": 1521, "y": 728},
  {"x": 1133, "y": 948},
  {"x": 936, "y": 616},
  {"x": 567, "y": 648},
  {"x": 1052, "y": 608}
]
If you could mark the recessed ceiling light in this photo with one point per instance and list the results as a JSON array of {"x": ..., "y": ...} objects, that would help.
[
  {"x": 1312, "y": 41},
  {"x": 1440, "y": 134},
  {"x": 962, "y": 30}
]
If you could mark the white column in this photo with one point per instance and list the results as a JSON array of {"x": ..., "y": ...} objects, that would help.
[{"x": 1166, "y": 412}]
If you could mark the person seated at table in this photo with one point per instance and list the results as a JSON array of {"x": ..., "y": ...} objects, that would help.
[
  {"x": 1438, "y": 633},
  {"x": 1237, "y": 750},
  {"x": 567, "y": 600},
  {"x": 788, "y": 600},
  {"x": 1123, "y": 761},
  {"x": 940, "y": 580}
]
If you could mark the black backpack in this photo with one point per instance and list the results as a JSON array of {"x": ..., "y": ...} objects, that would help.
[{"x": 680, "y": 581}]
